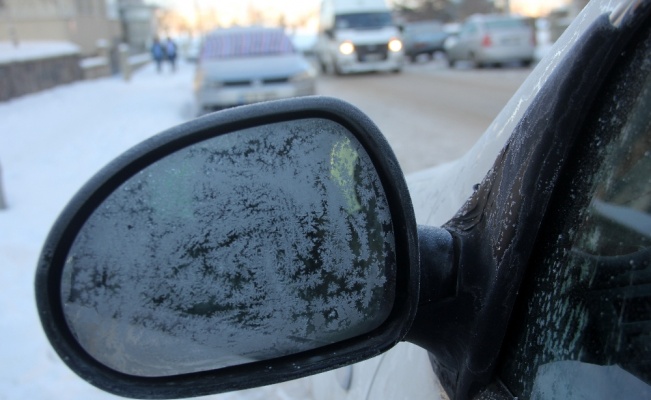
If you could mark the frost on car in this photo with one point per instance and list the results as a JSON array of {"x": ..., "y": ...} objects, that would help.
[{"x": 268, "y": 274}]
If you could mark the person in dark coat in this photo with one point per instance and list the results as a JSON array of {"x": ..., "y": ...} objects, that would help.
[
  {"x": 170, "y": 52},
  {"x": 158, "y": 53}
]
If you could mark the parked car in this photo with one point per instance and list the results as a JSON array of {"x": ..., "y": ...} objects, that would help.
[
  {"x": 423, "y": 38},
  {"x": 493, "y": 40},
  {"x": 271, "y": 242},
  {"x": 247, "y": 65}
]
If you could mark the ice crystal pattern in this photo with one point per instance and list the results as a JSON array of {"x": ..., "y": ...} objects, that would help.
[{"x": 255, "y": 244}]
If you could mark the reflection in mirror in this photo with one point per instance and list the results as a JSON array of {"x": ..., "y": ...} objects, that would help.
[{"x": 248, "y": 246}]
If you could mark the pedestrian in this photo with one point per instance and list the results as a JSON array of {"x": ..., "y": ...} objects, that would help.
[
  {"x": 158, "y": 53},
  {"x": 170, "y": 52}
]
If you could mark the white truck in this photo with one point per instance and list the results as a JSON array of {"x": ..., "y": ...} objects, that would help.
[{"x": 358, "y": 36}]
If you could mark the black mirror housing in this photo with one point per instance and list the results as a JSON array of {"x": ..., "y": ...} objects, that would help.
[{"x": 53, "y": 292}]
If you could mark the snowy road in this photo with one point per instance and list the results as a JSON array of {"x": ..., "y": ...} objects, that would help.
[{"x": 50, "y": 144}]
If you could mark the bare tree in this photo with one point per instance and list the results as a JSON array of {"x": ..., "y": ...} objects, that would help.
[
  {"x": 470, "y": 7},
  {"x": 444, "y": 10},
  {"x": 419, "y": 10}
]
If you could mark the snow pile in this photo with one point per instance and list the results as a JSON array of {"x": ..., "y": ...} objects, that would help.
[
  {"x": 51, "y": 143},
  {"x": 35, "y": 50}
]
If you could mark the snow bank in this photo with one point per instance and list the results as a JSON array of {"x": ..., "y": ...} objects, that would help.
[{"x": 35, "y": 50}]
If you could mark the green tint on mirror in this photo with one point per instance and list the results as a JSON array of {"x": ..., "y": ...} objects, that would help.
[{"x": 248, "y": 246}]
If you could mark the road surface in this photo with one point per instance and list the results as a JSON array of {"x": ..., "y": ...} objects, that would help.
[{"x": 429, "y": 113}]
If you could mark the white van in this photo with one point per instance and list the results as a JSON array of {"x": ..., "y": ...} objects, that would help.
[{"x": 358, "y": 36}]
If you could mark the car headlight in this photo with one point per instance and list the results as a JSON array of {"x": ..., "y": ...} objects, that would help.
[
  {"x": 303, "y": 76},
  {"x": 346, "y": 48},
  {"x": 395, "y": 45}
]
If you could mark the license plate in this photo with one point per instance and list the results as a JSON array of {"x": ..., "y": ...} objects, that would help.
[
  {"x": 260, "y": 96},
  {"x": 372, "y": 57}
]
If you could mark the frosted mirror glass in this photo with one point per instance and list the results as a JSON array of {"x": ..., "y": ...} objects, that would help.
[{"x": 248, "y": 246}]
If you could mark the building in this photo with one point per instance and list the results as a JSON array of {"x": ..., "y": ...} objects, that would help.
[
  {"x": 83, "y": 22},
  {"x": 139, "y": 24}
]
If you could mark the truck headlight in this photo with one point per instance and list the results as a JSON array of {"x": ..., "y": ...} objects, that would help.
[
  {"x": 395, "y": 45},
  {"x": 346, "y": 48}
]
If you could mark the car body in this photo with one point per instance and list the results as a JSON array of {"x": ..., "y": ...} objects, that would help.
[
  {"x": 423, "y": 38},
  {"x": 493, "y": 40},
  {"x": 247, "y": 65},
  {"x": 527, "y": 278}
]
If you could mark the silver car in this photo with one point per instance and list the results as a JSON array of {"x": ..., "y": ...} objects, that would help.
[
  {"x": 249, "y": 65},
  {"x": 493, "y": 40}
]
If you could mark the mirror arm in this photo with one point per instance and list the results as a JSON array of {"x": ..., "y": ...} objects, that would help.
[{"x": 438, "y": 286}]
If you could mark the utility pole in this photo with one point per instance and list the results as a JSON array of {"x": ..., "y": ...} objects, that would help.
[{"x": 3, "y": 203}]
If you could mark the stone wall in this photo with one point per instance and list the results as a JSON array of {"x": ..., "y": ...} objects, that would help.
[{"x": 21, "y": 77}]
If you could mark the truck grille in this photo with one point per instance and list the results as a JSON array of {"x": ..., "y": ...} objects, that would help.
[{"x": 372, "y": 52}]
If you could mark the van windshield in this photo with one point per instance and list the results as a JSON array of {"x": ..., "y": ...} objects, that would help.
[{"x": 363, "y": 20}]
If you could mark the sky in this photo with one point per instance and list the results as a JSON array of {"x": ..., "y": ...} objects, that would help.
[
  {"x": 233, "y": 10},
  {"x": 229, "y": 11}
]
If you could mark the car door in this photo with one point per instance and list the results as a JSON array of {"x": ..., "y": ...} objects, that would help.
[
  {"x": 581, "y": 325},
  {"x": 464, "y": 43}
]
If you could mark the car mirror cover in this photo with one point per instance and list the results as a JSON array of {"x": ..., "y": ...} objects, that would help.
[{"x": 63, "y": 235}]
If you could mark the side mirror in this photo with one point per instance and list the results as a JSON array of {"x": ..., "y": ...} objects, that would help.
[
  {"x": 330, "y": 33},
  {"x": 248, "y": 247}
]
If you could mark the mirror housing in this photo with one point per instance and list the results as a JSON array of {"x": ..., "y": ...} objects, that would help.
[{"x": 53, "y": 277}]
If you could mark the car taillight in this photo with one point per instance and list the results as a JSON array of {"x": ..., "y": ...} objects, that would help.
[{"x": 486, "y": 41}]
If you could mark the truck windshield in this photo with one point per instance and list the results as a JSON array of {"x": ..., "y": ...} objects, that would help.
[{"x": 363, "y": 20}]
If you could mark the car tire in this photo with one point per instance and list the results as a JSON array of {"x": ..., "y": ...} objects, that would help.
[
  {"x": 324, "y": 67},
  {"x": 475, "y": 64}
]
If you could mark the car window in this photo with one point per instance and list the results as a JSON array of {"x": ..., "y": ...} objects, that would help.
[
  {"x": 416, "y": 29},
  {"x": 363, "y": 20},
  {"x": 245, "y": 44},
  {"x": 468, "y": 29},
  {"x": 581, "y": 327},
  {"x": 505, "y": 24}
]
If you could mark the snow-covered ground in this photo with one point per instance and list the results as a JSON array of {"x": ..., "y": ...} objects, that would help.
[
  {"x": 51, "y": 143},
  {"x": 9, "y": 52}
]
